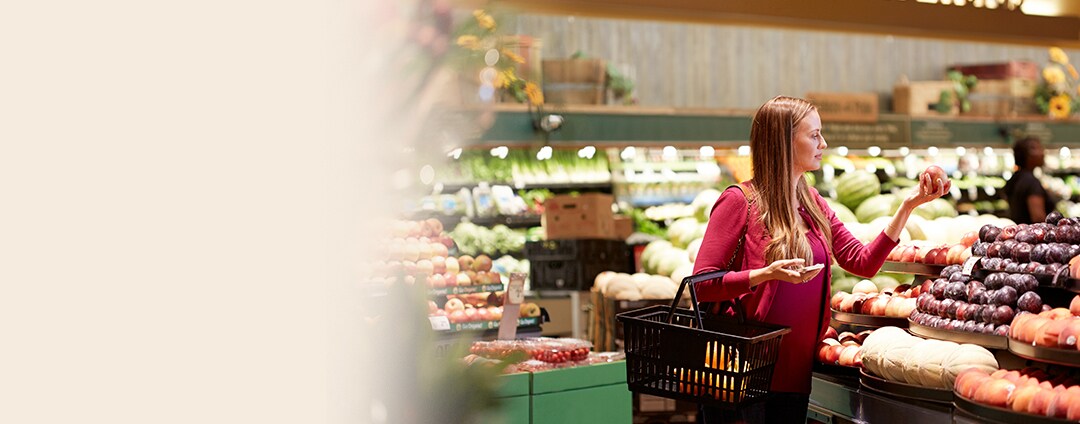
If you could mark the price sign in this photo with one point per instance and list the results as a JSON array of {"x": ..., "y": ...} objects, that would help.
[
  {"x": 969, "y": 265},
  {"x": 515, "y": 294},
  {"x": 439, "y": 323}
]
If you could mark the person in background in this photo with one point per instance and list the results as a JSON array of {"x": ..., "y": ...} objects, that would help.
[
  {"x": 788, "y": 225},
  {"x": 1029, "y": 202}
]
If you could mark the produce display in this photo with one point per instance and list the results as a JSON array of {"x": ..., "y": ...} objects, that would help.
[
  {"x": 638, "y": 286},
  {"x": 544, "y": 349},
  {"x": 865, "y": 299},
  {"x": 893, "y": 354},
  {"x": 477, "y": 307},
  {"x": 523, "y": 166},
  {"x": 930, "y": 254},
  {"x": 1054, "y": 328},
  {"x": 843, "y": 349},
  {"x": 959, "y": 303},
  {"x": 1028, "y": 391},
  {"x": 472, "y": 239}
]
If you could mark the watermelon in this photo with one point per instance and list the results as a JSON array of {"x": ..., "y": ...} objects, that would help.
[
  {"x": 852, "y": 188},
  {"x": 876, "y": 207},
  {"x": 843, "y": 284},
  {"x": 842, "y": 212}
]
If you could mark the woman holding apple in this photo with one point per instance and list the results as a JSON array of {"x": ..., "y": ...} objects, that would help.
[{"x": 777, "y": 236}]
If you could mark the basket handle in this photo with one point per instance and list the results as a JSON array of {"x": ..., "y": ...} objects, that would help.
[{"x": 689, "y": 282}]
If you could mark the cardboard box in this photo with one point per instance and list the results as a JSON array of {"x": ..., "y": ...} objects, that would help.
[
  {"x": 575, "y": 81},
  {"x": 846, "y": 107},
  {"x": 919, "y": 97},
  {"x": 577, "y": 217},
  {"x": 624, "y": 227},
  {"x": 1011, "y": 69}
]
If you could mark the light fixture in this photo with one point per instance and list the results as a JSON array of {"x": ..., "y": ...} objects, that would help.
[
  {"x": 842, "y": 151},
  {"x": 670, "y": 153},
  {"x": 744, "y": 150},
  {"x": 628, "y": 153},
  {"x": 707, "y": 152},
  {"x": 961, "y": 151},
  {"x": 932, "y": 151},
  {"x": 874, "y": 151},
  {"x": 904, "y": 151}
]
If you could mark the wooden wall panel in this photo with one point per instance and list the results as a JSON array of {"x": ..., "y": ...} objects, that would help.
[{"x": 735, "y": 66}]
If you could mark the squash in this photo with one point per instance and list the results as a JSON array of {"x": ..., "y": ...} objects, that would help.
[{"x": 964, "y": 357}]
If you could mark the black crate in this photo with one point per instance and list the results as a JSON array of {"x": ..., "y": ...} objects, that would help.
[{"x": 574, "y": 264}]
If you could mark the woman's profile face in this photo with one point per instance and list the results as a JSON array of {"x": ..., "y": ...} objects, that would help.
[{"x": 809, "y": 144}]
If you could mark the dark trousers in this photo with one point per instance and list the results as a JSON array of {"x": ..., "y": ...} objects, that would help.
[{"x": 779, "y": 408}]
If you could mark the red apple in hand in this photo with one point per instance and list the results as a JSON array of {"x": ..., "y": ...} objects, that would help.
[{"x": 937, "y": 177}]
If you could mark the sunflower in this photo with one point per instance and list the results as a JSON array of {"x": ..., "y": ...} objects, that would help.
[
  {"x": 1053, "y": 75},
  {"x": 532, "y": 91},
  {"x": 1058, "y": 55},
  {"x": 505, "y": 77},
  {"x": 1060, "y": 106},
  {"x": 470, "y": 42},
  {"x": 485, "y": 20},
  {"x": 512, "y": 56}
]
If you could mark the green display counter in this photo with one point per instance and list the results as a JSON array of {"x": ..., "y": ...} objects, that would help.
[{"x": 587, "y": 394}]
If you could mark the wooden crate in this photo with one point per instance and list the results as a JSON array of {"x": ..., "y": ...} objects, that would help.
[
  {"x": 1011, "y": 69},
  {"x": 1015, "y": 87},
  {"x": 576, "y": 81},
  {"x": 919, "y": 97}
]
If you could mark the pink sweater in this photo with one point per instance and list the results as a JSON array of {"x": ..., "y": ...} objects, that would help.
[{"x": 775, "y": 301}]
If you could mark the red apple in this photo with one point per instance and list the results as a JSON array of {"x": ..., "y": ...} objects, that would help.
[
  {"x": 470, "y": 314},
  {"x": 969, "y": 238},
  {"x": 438, "y": 264},
  {"x": 482, "y": 314},
  {"x": 837, "y": 299},
  {"x": 953, "y": 257},
  {"x": 437, "y": 281},
  {"x": 847, "y": 356},
  {"x": 909, "y": 254},
  {"x": 832, "y": 355},
  {"x": 457, "y": 317},
  {"x": 921, "y": 256},
  {"x": 938, "y": 179}
]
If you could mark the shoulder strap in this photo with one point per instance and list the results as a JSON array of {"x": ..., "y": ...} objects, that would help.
[{"x": 746, "y": 225}]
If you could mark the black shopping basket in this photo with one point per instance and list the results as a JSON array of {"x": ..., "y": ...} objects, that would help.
[{"x": 680, "y": 353}]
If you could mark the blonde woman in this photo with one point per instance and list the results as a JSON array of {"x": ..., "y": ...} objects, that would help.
[{"x": 769, "y": 229}]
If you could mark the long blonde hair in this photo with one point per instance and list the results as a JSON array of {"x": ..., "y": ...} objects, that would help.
[{"x": 772, "y": 154}]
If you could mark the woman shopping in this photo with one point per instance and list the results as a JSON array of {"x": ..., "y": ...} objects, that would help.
[{"x": 773, "y": 230}]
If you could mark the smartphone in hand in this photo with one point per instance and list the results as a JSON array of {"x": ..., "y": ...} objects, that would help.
[{"x": 810, "y": 268}]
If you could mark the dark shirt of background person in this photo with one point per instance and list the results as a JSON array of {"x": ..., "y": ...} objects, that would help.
[{"x": 1029, "y": 202}]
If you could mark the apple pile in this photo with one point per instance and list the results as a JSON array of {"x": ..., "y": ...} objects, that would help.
[
  {"x": 1031, "y": 391},
  {"x": 935, "y": 254},
  {"x": 841, "y": 349},
  {"x": 458, "y": 311},
  {"x": 1043, "y": 248},
  {"x": 957, "y": 302},
  {"x": 865, "y": 299},
  {"x": 1055, "y": 328}
]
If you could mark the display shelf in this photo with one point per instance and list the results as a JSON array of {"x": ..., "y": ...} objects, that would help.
[
  {"x": 1000, "y": 415},
  {"x": 449, "y": 221},
  {"x": 905, "y": 390},
  {"x": 443, "y": 291},
  {"x": 836, "y": 370},
  {"x": 1062, "y": 281},
  {"x": 842, "y": 399},
  {"x": 912, "y": 268},
  {"x": 478, "y": 325},
  {"x": 985, "y": 340},
  {"x": 868, "y": 320},
  {"x": 566, "y": 186},
  {"x": 1068, "y": 357}
]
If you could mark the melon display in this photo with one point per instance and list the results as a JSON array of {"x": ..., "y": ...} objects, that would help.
[
  {"x": 852, "y": 188},
  {"x": 876, "y": 207},
  {"x": 842, "y": 212},
  {"x": 964, "y": 357}
]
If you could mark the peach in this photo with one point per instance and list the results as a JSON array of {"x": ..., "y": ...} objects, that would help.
[
  {"x": 877, "y": 307},
  {"x": 832, "y": 355},
  {"x": 1031, "y": 329},
  {"x": 1073, "y": 414},
  {"x": 836, "y": 300},
  {"x": 867, "y": 306},
  {"x": 1018, "y": 323},
  {"x": 953, "y": 257},
  {"x": 1059, "y": 408},
  {"x": 1013, "y": 376},
  {"x": 973, "y": 384},
  {"x": 1048, "y": 334},
  {"x": 894, "y": 254},
  {"x": 1069, "y": 334},
  {"x": 1056, "y": 313},
  {"x": 849, "y": 302},
  {"x": 847, "y": 356},
  {"x": 909, "y": 254},
  {"x": 1074, "y": 306},
  {"x": 995, "y": 393},
  {"x": 1041, "y": 402},
  {"x": 999, "y": 373},
  {"x": 831, "y": 333},
  {"x": 1021, "y": 398},
  {"x": 921, "y": 256},
  {"x": 965, "y": 375},
  {"x": 892, "y": 309}
]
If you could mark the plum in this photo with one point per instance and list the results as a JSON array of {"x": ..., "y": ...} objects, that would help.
[
  {"x": 959, "y": 278},
  {"x": 1008, "y": 232},
  {"x": 1042, "y": 269},
  {"x": 993, "y": 250},
  {"x": 949, "y": 271},
  {"x": 1025, "y": 236},
  {"x": 995, "y": 280},
  {"x": 1002, "y": 315},
  {"x": 950, "y": 309},
  {"x": 1054, "y": 217},
  {"x": 1051, "y": 235},
  {"x": 1030, "y": 302},
  {"x": 1069, "y": 234},
  {"x": 1028, "y": 281},
  {"x": 979, "y": 297},
  {"x": 962, "y": 310},
  {"x": 956, "y": 291},
  {"x": 988, "y": 328},
  {"x": 1022, "y": 252},
  {"x": 992, "y": 264},
  {"x": 969, "y": 326},
  {"x": 945, "y": 306},
  {"x": 973, "y": 286},
  {"x": 1040, "y": 234},
  {"x": 1056, "y": 267},
  {"x": 939, "y": 289},
  {"x": 1059, "y": 252},
  {"x": 1039, "y": 253},
  {"x": 923, "y": 301},
  {"x": 979, "y": 248},
  {"x": 1005, "y": 296},
  {"x": 1002, "y": 330},
  {"x": 989, "y": 232},
  {"x": 986, "y": 313},
  {"x": 1074, "y": 250}
]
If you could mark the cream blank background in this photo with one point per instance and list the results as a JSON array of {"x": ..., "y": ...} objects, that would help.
[{"x": 181, "y": 194}]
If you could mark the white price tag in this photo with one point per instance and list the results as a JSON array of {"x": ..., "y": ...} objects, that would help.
[
  {"x": 969, "y": 265},
  {"x": 439, "y": 323},
  {"x": 515, "y": 291}
]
